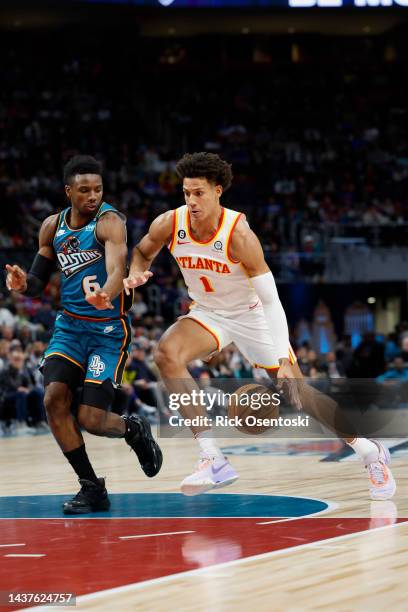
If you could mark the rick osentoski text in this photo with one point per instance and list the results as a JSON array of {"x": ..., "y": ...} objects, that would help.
[{"x": 213, "y": 400}]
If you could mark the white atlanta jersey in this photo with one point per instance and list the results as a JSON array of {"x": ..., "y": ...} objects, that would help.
[{"x": 214, "y": 280}]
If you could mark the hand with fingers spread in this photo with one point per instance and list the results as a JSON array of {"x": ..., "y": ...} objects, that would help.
[
  {"x": 99, "y": 299},
  {"x": 16, "y": 279},
  {"x": 135, "y": 279},
  {"x": 288, "y": 382}
]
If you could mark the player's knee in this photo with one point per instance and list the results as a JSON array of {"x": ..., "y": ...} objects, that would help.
[
  {"x": 167, "y": 357},
  {"x": 92, "y": 419},
  {"x": 57, "y": 402}
]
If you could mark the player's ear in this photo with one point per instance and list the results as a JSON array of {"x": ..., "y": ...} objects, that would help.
[
  {"x": 218, "y": 190},
  {"x": 68, "y": 191}
]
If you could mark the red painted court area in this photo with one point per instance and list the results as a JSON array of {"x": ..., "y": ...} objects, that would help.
[{"x": 87, "y": 555}]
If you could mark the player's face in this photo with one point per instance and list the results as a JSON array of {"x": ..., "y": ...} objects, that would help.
[
  {"x": 202, "y": 197},
  {"x": 85, "y": 193}
]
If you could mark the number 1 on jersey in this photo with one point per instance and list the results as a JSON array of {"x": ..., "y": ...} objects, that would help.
[{"x": 207, "y": 284}]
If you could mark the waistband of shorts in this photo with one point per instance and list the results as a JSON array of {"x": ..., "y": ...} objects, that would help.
[{"x": 93, "y": 319}]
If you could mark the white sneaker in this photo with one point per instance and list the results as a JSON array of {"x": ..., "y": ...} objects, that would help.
[
  {"x": 382, "y": 483},
  {"x": 42, "y": 427},
  {"x": 22, "y": 429},
  {"x": 211, "y": 473}
]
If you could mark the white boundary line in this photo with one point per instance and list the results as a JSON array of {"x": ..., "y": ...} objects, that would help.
[
  {"x": 153, "y": 535},
  {"x": 27, "y": 555},
  {"x": 196, "y": 572}
]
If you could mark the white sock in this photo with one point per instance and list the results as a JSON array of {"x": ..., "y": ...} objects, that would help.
[
  {"x": 363, "y": 447},
  {"x": 208, "y": 444}
]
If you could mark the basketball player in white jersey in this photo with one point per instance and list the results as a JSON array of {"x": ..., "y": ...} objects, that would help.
[{"x": 234, "y": 300}]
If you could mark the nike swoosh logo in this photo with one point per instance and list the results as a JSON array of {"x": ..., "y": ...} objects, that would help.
[
  {"x": 187, "y": 242},
  {"x": 215, "y": 471},
  {"x": 254, "y": 306}
]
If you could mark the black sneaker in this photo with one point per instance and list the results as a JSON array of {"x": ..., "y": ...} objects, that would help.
[
  {"x": 139, "y": 437},
  {"x": 91, "y": 498}
]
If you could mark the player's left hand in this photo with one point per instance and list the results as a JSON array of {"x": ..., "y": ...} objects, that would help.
[
  {"x": 99, "y": 299},
  {"x": 287, "y": 381}
]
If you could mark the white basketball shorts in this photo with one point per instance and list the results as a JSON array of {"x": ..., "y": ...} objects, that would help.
[{"x": 248, "y": 331}]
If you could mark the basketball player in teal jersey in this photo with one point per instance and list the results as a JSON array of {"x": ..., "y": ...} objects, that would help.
[{"x": 89, "y": 346}]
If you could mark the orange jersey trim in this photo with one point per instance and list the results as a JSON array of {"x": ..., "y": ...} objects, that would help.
[
  {"x": 292, "y": 356},
  {"x": 95, "y": 319},
  {"x": 210, "y": 331},
  {"x": 229, "y": 237},
  {"x": 265, "y": 367},
  {"x": 205, "y": 242},
  {"x": 173, "y": 234},
  {"x": 66, "y": 357},
  {"x": 122, "y": 354},
  {"x": 95, "y": 382},
  {"x": 122, "y": 303}
]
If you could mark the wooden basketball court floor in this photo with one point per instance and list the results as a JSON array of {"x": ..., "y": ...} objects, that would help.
[{"x": 293, "y": 533}]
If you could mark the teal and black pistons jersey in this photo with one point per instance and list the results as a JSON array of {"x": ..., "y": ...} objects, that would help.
[{"x": 81, "y": 259}]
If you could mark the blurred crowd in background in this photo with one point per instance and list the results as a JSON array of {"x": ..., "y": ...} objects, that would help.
[
  {"x": 315, "y": 129},
  {"x": 26, "y": 326}
]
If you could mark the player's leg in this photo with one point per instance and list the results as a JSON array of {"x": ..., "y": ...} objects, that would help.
[
  {"x": 61, "y": 379},
  {"x": 65, "y": 363},
  {"x": 374, "y": 454},
  {"x": 107, "y": 357},
  {"x": 189, "y": 339},
  {"x": 249, "y": 336}
]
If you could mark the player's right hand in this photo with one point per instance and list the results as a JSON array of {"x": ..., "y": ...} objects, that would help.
[
  {"x": 136, "y": 279},
  {"x": 16, "y": 279}
]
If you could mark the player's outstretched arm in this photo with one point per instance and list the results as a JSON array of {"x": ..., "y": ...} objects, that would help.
[
  {"x": 111, "y": 231},
  {"x": 246, "y": 248},
  {"x": 159, "y": 234},
  {"x": 35, "y": 281}
]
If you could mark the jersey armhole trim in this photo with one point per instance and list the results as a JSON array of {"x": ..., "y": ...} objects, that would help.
[
  {"x": 99, "y": 216},
  {"x": 57, "y": 225},
  {"x": 173, "y": 231},
  {"x": 229, "y": 239}
]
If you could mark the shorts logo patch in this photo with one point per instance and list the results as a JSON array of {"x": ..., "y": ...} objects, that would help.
[
  {"x": 97, "y": 366},
  {"x": 108, "y": 329}
]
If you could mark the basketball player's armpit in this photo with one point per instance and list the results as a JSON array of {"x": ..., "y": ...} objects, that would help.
[
  {"x": 265, "y": 287},
  {"x": 39, "y": 275}
]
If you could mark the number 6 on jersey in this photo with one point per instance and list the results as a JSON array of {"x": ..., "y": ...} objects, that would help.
[{"x": 90, "y": 284}]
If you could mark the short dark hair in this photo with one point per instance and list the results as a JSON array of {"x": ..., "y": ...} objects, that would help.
[
  {"x": 205, "y": 165},
  {"x": 81, "y": 164}
]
